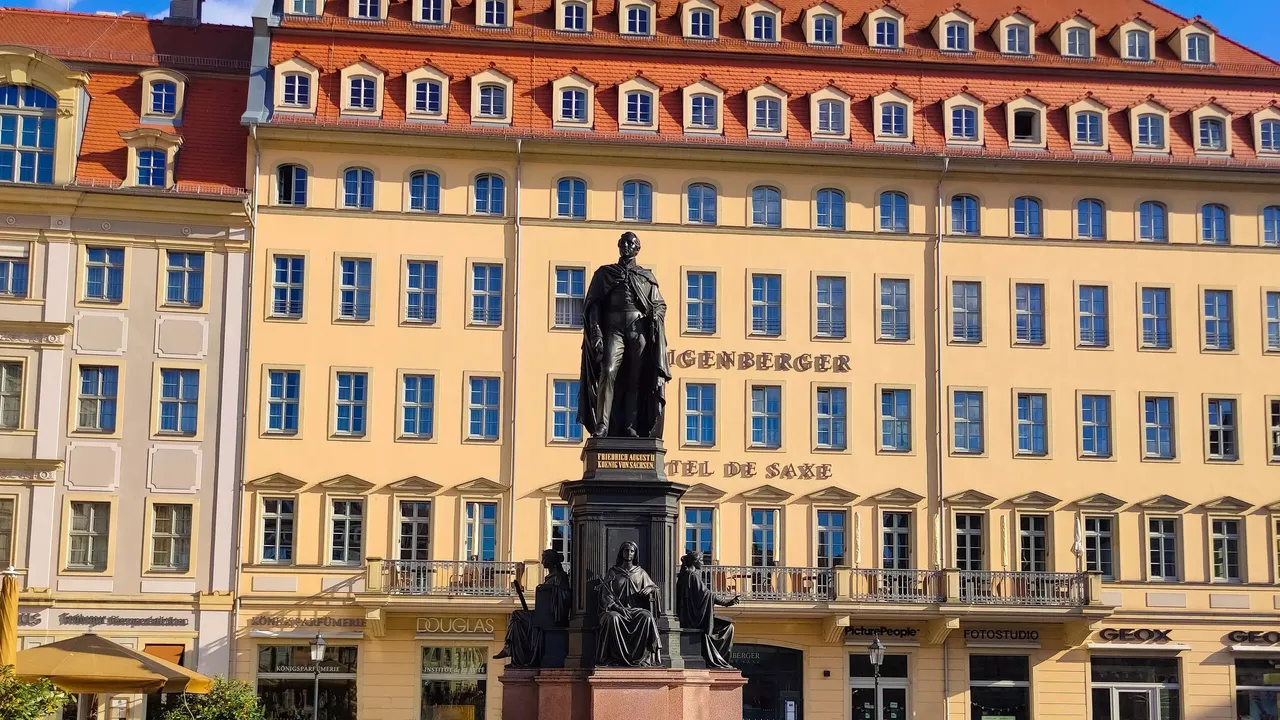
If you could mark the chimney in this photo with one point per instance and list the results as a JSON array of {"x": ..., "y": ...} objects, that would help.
[{"x": 184, "y": 12}]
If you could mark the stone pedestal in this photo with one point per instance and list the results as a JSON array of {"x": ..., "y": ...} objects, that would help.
[{"x": 622, "y": 694}]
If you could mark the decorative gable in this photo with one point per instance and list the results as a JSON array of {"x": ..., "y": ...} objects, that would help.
[
  {"x": 1227, "y": 504},
  {"x": 833, "y": 126},
  {"x": 481, "y": 486},
  {"x": 1167, "y": 503},
  {"x": 970, "y": 498},
  {"x": 767, "y": 493},
  {"x": 431, "y": 100},
  {"x": 702, "y": 492},
  {"x": 566, "y": 112},
  {"x": 953, "y": 31},
  {"x": 1099, "y": 501},
  {"x": 276, "y": 482},
  {"x": 1195, "y": 42},
  {"x": 1210, "y": 110},
  {"x": 1035, "y": 499},
  {"x": 687, "y": 10},
  {"x": 762, "y": 21},
  {"x": 1120, "y": 42},
  {"x": 763, "y": 123},
  {"x": 888, "y": 132},
  {"x": 832, "y": 494},
  {"x": 1073, "y": 27},
  {"x": 639, "y": 84},
  {"x": 1027, "y": 121},
  {"x": 897, "y": 496},
  {"x": 1270, "y": 115},
  {"x": 415, "y": 484},
  {"x": 302, "y": 75},
  {"x": 1015, "y": 34},
  {"x": 824, "y": 12},
  {"x": 492, "y": 77},
  {"x": 1149, "y": 106},
  {"x": 963, "y": 99},
  {"x": 891, "y": 36},
  {"x": 346, "y": 484},
  {"x": 1088, "y": 104},
  {"x": 356, "y": 105}
]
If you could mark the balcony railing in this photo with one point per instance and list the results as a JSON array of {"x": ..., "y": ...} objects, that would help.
[
  {"x": 771, "y": 584},
  {"x": 472, "y": 578},
  {"x": 897, "y": 586},
  {"x": 1023, "y": 588}
]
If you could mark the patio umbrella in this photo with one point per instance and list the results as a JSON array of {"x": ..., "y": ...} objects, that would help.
[
  {"x": 9, "y": 618},
  {"x": 93, "y": 664}
]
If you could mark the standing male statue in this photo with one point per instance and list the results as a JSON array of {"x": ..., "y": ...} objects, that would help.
[{"x": 624, "y": 350}]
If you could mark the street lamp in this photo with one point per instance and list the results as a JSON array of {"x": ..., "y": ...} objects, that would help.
[
  {"x": 875, "y": 653},
  {"x": 317, "y": 656}
]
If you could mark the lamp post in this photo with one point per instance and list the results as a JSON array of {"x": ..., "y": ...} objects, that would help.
[
  {"x": 317, "y": 656},
  {"x": 875, "y": 653}
]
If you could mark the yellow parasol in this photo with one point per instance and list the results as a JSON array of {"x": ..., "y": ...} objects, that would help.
[
  {"x": 93, "y": 664},
  {"x": 9, "y": 618}
]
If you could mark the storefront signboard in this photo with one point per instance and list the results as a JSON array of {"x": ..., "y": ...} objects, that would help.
[
  {"x": 123, "y": 619},
  {"x": 28, "y": 618},
  {"x": 1134, "y": 635},
  {"x": 1001, "y": 635},
  {"x": 747, "y": 360},
  {"x": 326, "y": 621},
  {"x": 470, "y": 627},
  {"x": 864, "y": 631},
  {"x": 1270, "y": 637},
  {"x": 769, "y": 471}
]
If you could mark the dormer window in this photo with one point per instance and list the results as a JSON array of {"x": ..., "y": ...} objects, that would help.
[
  {"x": 831, "y": 117},
  {"x": 893, "y": 120},
  {"x": 1212, "y": 134},
  {"x": 964, "y": 123},
  {"x": 957, "y": 37},
  {"x": 1017, "y": 40},
  {"x": 887, "y": 33},
  {"x": 152, "y": 153},
  {"x": 1137, "y": 45},
  {"x": 428, "y": 97},
  {"x": 302, "y": 7},
  {"x": 637, "y": 20},
  {"x": 297, "y": 90},
  {"x": 1026, "y": 126},
  {"x": 768, "y": 115},
  {"x": 763, "y": 27},
  {"x": 432, "y": 11},
  {"x": 824, "y": 30},
  {"x": 575, "y": 17},
  {"x": 164, "y": 97},
  {"x": 1269, "y": 136},
  {"x": 573, "y": 105},
  {"x": 493, "y": 101},
  {"x": 701, "y": 24},
  {"x": 1088, "y": 128},
  {"x": 1151, "y": 131},
  {"x": 363, "y": 93},
  {"x": 495, "y": 13},
  {"x": 639, "y": 108},
  {"x": 1198, "y": 48},
  {"x": 1078, "y": 43},
  {"x": 151, "y": 168},
  {"x": 368, "y": 9},
  {"x": 702, "y": 112}
]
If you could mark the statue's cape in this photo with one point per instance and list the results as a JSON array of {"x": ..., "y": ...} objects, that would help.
[{"x": 694, "y": 602}]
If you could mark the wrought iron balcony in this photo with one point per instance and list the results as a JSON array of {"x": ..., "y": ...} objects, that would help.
[
  {"x": 896, "y": 586},
  {"x": 470, "y": 578},
  {"x": 772, "y": 584},
  {"x": 1022, "y": 588}
]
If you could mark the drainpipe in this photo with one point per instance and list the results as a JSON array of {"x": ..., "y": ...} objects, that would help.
[
  {"x": 938, "y": 339},
  {"x": 515, "y": 365}
]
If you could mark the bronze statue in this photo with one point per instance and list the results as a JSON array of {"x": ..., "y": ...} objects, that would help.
[
  {"x": 695, "y": 606},
  {"x": 527, "y": 629},
  {"x": 629, "y": 601},
  {"x": 624, "y": 350}
]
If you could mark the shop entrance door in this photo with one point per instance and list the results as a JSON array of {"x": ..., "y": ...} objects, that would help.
[
  {"x": 1134, "y": 704},
  {"x": 775, "y": 681}
]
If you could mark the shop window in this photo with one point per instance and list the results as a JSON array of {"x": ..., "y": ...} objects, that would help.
[
  {"x": 1257, "y": 688},
  {"x": 286, "y": 682},
  {"x": 893, "y": 685},
  {"x": 775, "y": 681},
  {"x": 1126, "y": 688},
  {"x": 454, "y": 682},
  {"x": 1000, "y": 686}
]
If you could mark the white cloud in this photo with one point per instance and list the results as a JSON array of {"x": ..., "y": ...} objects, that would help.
[{"x": 227, "y": 12}]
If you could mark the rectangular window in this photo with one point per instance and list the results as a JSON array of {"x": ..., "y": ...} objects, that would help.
[
  {"x": 1033, "y": 424},
  {"x": 699, "y": 531},
  {"x": 284, "y": 393},
  {"x": 571, "y": 295},
  {"x": 355, "y": 284},
  {"x": 418, "y": 409},
  {"x": 482, "y": 531},
  {"x": 764, "y": 538},
  {"x": 104, "y": 274},
  {"x": 564, "y": 411},
  {"x": 1094, "y": 316},
  {"x": 347, "y": 530},
  {"x": 287, "y": 680},
  {"x": 1098, "y": 546},
  {"x": 1217, "y": 320},
  {"x": 1000, "y": 685},
  {"x": 277, "y": 530},
  {"x": 1226, "y": 551},
  {"x": 1157, "y": 426},
  {"x": 896, "y": 527},
  {"x": 1274, "y": 415},
  {"x": 97, "y": 399},
  {"x": 179, "y": 401},
  {"x": 700, "y": 414},
  {"x": 1220, "y": 421},
  {"x": 1162, "y": 544},
  {"x": 10, "y": 395},
  {"x": 1033, "y": 543},
  {"x": 90, "y": 535},
  {"x": 561, "y": 531},
  {"x": 830, "y": 309},
  {"x": 1257, "y": 687},
  {"x": 895, "y": 420},
  {"x": 171, "y": 538},
  {"x": 766, "y": 305},
  {"x": 766, "y": 416},
  {"x": 1095, "y": 425},
  {"x": 454, "y": 683},
  {"x": 895, "y": 309},
  {"x": 1156, "y": 328},
  {"x": 831, "y": 418},
  {"x": 831, "y": 544},
  {"x": 967, "y": 417},
  {"x": 486, "y": 294},
  {"x": 415, "y": 530},
  {"x": 13, "y": 278},
  {"x": 287, "y": 286},
  {"x": 968, "y": 541},
  {"x": 184, "y": 279},
  {"x": 1028, "y": 313},
  {"x": 1273, "y": 321},
  {"x": 8, "y": 512},
  {"x": 483, "y": 409},
  {"x": 700, "y": 302},
  {"x": 352, "y": 403},
  {"x": 966, "y": 312},
  {"x": 1135, "y": 687},
  {"x": 420, "y": 289}
]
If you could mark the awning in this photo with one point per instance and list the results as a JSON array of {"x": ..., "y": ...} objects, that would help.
[
  {"x": 1138, "y": 647},
  {"x": 93, "y": 664},
  {"x": 1255, "y": 649}
]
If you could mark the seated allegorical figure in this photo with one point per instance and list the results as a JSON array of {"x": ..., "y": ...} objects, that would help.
[
  {"x": 526, "y": 629},
  {"x": 695, "y": 606},
  {"x": 629, "y": 601}
]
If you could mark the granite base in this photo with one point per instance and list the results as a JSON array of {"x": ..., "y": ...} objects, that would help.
[{"x": 621, "y": 694}]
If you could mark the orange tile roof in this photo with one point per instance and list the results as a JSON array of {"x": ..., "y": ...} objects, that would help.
[{"x": 928, "y": 85}]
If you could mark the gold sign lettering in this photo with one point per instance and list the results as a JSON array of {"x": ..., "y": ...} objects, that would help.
[
  {"x": 731, "y": 469},
  {"x": 625, "y": 461},
  {"x": 743, "y": 360}
]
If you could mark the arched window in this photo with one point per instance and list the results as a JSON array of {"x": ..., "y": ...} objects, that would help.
[
  {"x": 1197, "y": 48},
  {"x": 357, "y": 189},
  {"x": 291, "y": 185},
  {"x": 893, "y": 120},
  {"x": 363, "y": 91},
  {"x": 702, "y": 204},
  {"x": 297, "y": 90},
  {"x": 639, "y": 108},
  {"x": 575, "y": 17},
  {"x": 700, "y": 24},
  {"x": 1137, "y": 45},
  {"x": 1017, "y": 40},
  {"x": 1271, "y": 226},
  {"x": 1212, "y": 134},
  {"x": 964, "y": 215},
  {"x": 1026, "y": 217},
  {"x": 151, "y": 168},
  {"x": 638, "y": 20},
  {"x": 766, "y": 207},
  {"x": 1091, "y": 219},
  {"x": 702, "y": 111},
  {"x": 824, "y": 30},
  {"x": 164, "y": 97},
  {"x": 1078, "y": 43},
  {"x": 964, "y": 123},
  {"x": 762, "y": 27},
  {"x": 495, "y": 12},
  {"x": 830, "y": 209},
  {"x": 1026, "y": 126},
  {"x": 428, "y": 97},
  {"x": 491, "y": 192},
  {"x": 424, "y": 192},
  {"x": 831, "y": 117},
  {"x": 637, "y": 201},
  {"x": 1151, "y": 222},
  {"x": 893, "y": 212},
  {"x": 573, "y": 105},
  {"x": 769, "y": 114},
  {"x": 28, "y": 120},
  {"x": 1269, "y": 135},
  {"x": 1213, "y": 224},
  {"x": 571, "y": 199},
  {"x": 887, "y": 33},
  {"x": 1089, "y": 128},
  {"x": 1151, "y": 131},
  {"x": 493, "y": 101},
  {"x": 957, "y": 37}
]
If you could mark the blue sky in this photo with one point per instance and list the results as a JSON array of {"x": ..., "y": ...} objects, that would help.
[{"x": 1240, "y": 20}]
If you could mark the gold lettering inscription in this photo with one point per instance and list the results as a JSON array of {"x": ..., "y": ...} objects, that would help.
[{"x": 625, "y": 461}]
